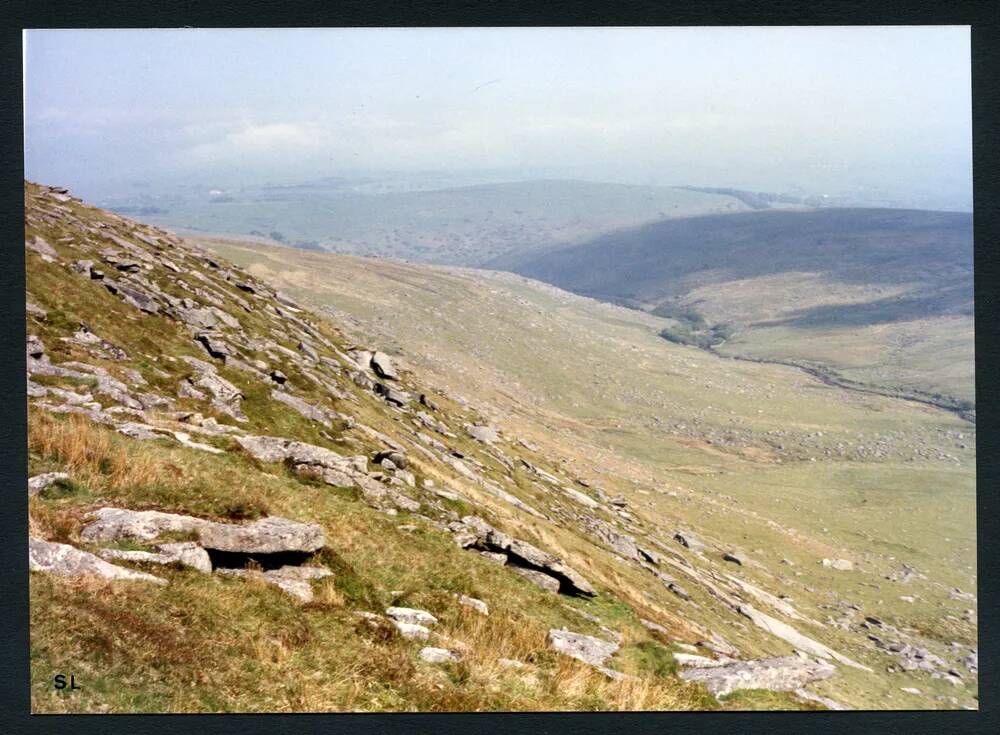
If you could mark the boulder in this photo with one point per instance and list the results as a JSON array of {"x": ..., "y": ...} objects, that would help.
[
  {"x": 522, "y": 554},
  {"x": 383, "y": 366},
  {"x": 270, "y": 535},
  {"x": 438, "y": 655},
  {"x": 412, "y": 630},
  {"x": 38, "y": 483},
  {"x": 485, "y": 434},
  {"x": 392, "y": 395},
  {"x": 783, "y": 674},
  {"x": 292, "y": 580},
  {"x": 736, "y": 557},
  {"x": 590, "y": 650},
  {"x": 397, "y": 458},
  {"x": 410, "y": 615},
  {"x": 477, "y": 605},
  {"x": 689, "y": 540},
  {"x": 841, "y": 565},
  {"x": 278, "y": 449},
  {"x": 214, "y": 345},
  {"x": 266, "y": 536},
  {"x": 302, "y": 407},
  {"x": 40, "y": 246},
  {"x": 186, "y": 553},
  {"x": 541, "y": 579},
  {"x": 67, "y": 561},
  {"x": 120, "y": 524}
]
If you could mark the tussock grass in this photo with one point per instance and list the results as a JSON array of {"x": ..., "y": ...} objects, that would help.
[{"x": 91, "y": 453}]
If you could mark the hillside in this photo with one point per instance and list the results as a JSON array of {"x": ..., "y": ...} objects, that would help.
[
  {"x": 759, "y": 457},
  {"x": 457, "y": 226},
  {"x": 880, "y": 298}
]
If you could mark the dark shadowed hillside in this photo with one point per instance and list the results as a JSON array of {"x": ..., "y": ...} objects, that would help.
[{"x": 881, "y": 296}]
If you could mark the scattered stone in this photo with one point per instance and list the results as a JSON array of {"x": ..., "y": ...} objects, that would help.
[
  {"x": 588, "y": 649},
  {"x": 305, "y": 409},
  {"x": 187, "y": 554},
  {"x": 655, "y": 627},
  {"x": 485, "y": 434},
  {"x": 774, "y": 674},
  {"x": 40, "y": 246},
  {"x": 412, "y": 630},
  {"x": 266, "y": 536},
  {"x": 383, "y": 366},
  {"x": 38, "y": 483},
  {"x": 438, "y": 655},
  {"x": 477, "y": 605},
  {"x": 67, "y": 561},
  {"x": 735, "y": 557},
  {"x": 841, "y": 565},
  {"x": 410, "y": 615},
  {"x": 541, "y": 579},
  {"x": 689, "y": 540}
]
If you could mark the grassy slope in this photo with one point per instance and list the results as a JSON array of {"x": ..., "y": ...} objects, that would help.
[
  {"x": 761, "y": 457},
  {"x": 468, "y": 225},
  {"x": 204, "y": 643},
  {"x": 882, "y": 296}
]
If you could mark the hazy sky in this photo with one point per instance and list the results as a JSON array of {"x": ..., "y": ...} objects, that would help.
[{"x": 818, "y": 108}]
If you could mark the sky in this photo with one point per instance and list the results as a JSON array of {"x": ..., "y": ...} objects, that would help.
[{"x": 769, "y": 109}]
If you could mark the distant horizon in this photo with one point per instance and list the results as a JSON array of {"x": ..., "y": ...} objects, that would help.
[{"x": 876, "y": 113}]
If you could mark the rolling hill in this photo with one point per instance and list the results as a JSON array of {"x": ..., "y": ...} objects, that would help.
[
  {"x": 457, "y": 226},
  {"x": 762, "y": 457},
  {"x": 874, "y": 297}
]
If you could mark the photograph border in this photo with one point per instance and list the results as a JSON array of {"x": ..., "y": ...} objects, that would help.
[{"x": 14, "y": 664}]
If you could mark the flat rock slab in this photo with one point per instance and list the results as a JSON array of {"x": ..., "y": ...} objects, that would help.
[
  {"x": 784, "y": 674},
  {"x": 68, "y": 561},
  {"x": 267, "y": 536},
  {"x": 586, "y": 648},
  {"x": 788, "y": 634}
]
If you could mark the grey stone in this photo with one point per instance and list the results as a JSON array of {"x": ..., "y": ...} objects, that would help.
[
  {"x": 485, "y": 434},
  {"x": 541, "y": 579},
  {"x": 383, "y": 366},
  {"x": 266, "y": 536},
  {"x": 68, "y": 561},
  {"x": 410, "y": 615},
  {"x": 38, "y": 483},
  {"x": 774, "y": 674},
  {"x": 40, "y": 246},
  {"x": 438, "y": 655},
  {"x": 302, "y": 407},
  {"x": 477, "y": 605},
  {"x": 590, "y": 650}
]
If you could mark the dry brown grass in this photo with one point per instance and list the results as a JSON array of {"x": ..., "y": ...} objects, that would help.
[{"x": 92, "y": 454}]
